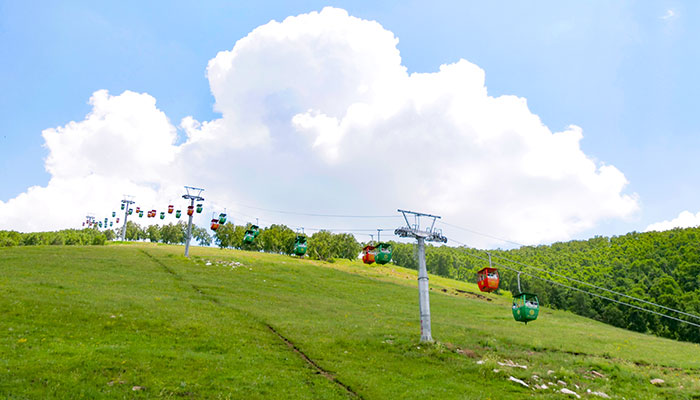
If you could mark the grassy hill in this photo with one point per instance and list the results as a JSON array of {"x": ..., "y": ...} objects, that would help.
[{"x": 140, "y": 320}]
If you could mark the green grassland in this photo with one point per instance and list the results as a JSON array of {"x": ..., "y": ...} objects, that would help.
[{"x": 102, "y": 321}]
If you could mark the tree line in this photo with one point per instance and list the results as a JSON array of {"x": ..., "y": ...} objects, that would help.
[
  {"x": 278, "y": 239},
  {"x": 83, "y": 237}
]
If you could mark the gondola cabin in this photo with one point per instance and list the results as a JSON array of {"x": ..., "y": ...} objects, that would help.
[
  {"x": 100, "y": 224},
  {"x": 140, "y": 214},
  {"x": 110, "y": 224},
  {"x": 114, "y": 214},
  {"x": 131, "y": 211},
  {"x": 117, "y": 220},
  {"x": 199, "y": 208},
  {"x": 171, "y": 208},
  {"x": 383, "y": 253},
  {"x": 300, "y": 245},
  {"x": 368, "y": 254},
  {"x": 526, "y": 306},
  {"x": 162, "y": 215},
  {"x": 250, "y": 234},
  {"x": 123, "y": 206},
  {"x": 178, "y": 214},
  {"x": 214, "y": 224},
  {"x": 222, "y": 218},
  {"x": 488, "y": 279},
  {"x": 138, "y": 210},
  {"x": 190, "y": 210}
]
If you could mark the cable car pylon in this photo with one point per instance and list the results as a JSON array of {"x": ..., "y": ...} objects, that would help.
[
  {"x": 126, "y": 203},
  {"x": 421, "y": 236},
  {"x": 193, "y": 194}
]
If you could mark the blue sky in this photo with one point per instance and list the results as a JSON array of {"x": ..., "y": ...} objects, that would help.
[{"x": 625, "y": 72}]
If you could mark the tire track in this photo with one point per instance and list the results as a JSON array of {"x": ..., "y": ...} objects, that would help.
[{"x": 288, "y": 342}]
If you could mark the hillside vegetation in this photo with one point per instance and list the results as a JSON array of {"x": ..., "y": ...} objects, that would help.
[
  {"x": 140, "y": 320},
  {"x": 661, "y": 267}
]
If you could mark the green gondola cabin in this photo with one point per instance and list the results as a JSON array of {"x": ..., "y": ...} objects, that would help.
[
  {"x": 123, "y": 207},
  {"x": 162, "y": 215},
  {"x": 526, "y": 307},
  {"x": 383, "y": 253},
  {"x": 368, "y": 254},
  {"x": 131, "y": 211},
  {"x": 222, "y": 218},
  {"x": 199, "y": 208},
  {"x": 488, "y": 279},
  {"x": 178, "y": 214},
  {"x": 140, "y": 214},
  {"x": 300, "y": 245},
  {"x": 114, "y": 214},
  {"x": 250, "y": 234}
]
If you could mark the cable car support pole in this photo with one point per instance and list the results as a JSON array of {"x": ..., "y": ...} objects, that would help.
[
  {"x": 421, "y": 237},
  {"x": 128, "y": 201},
  {"x": 192, "y": 197}
]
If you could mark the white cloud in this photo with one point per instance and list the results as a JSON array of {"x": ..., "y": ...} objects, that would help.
[
  {"x": 685, "y": 219},
  {"x": 318, "y": 114},
  {"x": 669, "y": 14}
]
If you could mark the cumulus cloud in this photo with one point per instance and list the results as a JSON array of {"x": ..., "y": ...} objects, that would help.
[
  {"x": 319, "y": 114},
  {"x": 685, "y": 219}
]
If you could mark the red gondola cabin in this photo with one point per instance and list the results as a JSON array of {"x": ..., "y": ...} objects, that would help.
[
  {"x": 488, "y": 279},
  {"x": 214, "y": 224},
  {"x": 171, "y": 208},
  {"x": 368, "y": 254},
  {"x": 190, "y": 210}
]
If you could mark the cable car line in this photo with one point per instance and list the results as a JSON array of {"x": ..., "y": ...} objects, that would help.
[
  {"x": 481, "y": 234},
  {"x": 599, "y": 287},
  {"x": 566, "y": 277},
  {"x": 319, "y": 215},
  {"x": 587, "y": 292}
]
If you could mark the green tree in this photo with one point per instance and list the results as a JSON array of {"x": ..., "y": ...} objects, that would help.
[
  {"x": 153, "y": 233},
  {"x": 201, "y": 235},
  {"x": 225, "y": 237},
  {"x": 172, "y": 233}
]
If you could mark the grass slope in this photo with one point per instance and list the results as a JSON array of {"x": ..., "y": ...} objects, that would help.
[{"x": 95, "y": 322}]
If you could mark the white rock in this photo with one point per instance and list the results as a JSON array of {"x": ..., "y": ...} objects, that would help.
[
  {"x": 496, "y": 370},
  {"x": 208, "y": 263},
  {"x": 480, "y": 362},
  {"x": 600, "y": 394},
  {"x": 509, "y": 363},
  {"x": 550, "y": 372},
  {"x": 535, "y": 377},
  {"x": 561, "y": 383},
  {"x": 545, "y": 386},
  {"x": 571, "y": 392},
  {"x": 516, "y": 380},
  {"x": 657, "y": 381}
]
